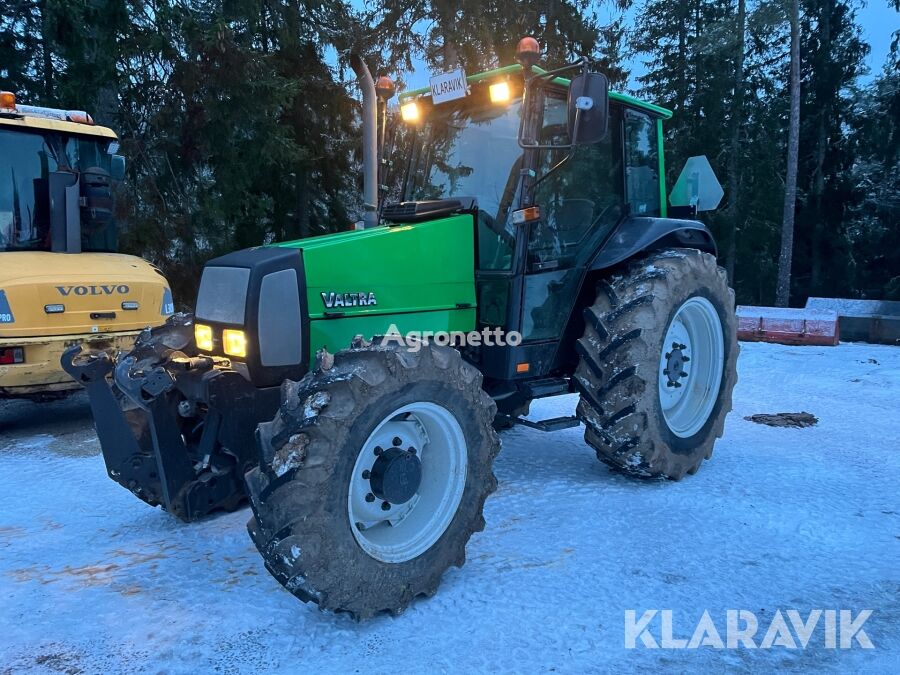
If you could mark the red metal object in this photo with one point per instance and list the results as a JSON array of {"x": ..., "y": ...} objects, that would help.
[{"x": 788, "y": 326}]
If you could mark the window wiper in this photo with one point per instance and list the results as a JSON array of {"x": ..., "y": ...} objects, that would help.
[{"x": 552, "y": 169}]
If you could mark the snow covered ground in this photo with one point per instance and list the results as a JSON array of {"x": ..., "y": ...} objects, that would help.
[{"x": 91, "y": 580}]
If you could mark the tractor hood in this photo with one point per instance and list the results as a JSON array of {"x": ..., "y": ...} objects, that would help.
[
  {"x": 386, "y": 270},
  {"x": 295, "y": 298},
  {"x": 45, "y": 294}
]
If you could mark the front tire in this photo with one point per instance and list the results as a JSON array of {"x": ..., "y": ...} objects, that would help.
[
  {"x": 658, "y": 364},
  {"x": 373, "y": 478}
]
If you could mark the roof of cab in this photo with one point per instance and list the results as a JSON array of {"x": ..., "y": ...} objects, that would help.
[
  {"x": 30, "y": 123},
  {"x": 665, "y": 113}
]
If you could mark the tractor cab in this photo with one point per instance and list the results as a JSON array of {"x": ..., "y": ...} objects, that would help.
[{"x": 553, "y": 171}]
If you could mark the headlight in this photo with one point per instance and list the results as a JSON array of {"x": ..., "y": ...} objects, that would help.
[
  {"x": 235, "y": 343},
  {"x": 203, "y": 336}
]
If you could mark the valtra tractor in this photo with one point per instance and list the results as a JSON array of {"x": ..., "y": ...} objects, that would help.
[{"x": 534, "y": 207}]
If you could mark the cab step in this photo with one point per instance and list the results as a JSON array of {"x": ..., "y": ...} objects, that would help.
[{"x": 552, "y": 424}]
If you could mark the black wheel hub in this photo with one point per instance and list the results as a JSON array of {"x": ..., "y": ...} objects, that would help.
[
  {"x": 396, "y": 475},
  {"x": 675, "y": 361}
]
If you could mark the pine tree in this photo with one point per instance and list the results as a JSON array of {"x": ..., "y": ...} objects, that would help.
[
  {"x": 834, "y": 54},
  {"x": 479, "y": 35},
  {"x": 874, "y": 228},
  {"x": 783, "y": 294}
]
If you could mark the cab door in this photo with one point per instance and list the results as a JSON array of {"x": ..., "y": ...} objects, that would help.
[{"x": 580, "y": 202}]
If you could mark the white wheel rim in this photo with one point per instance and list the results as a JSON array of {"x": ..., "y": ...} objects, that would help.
[
  {"x": 688, "y": 396},
  {"x": 405, "y": 531}
]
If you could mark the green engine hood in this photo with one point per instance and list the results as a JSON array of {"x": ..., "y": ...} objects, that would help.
[{"x": 418, "y": 277}]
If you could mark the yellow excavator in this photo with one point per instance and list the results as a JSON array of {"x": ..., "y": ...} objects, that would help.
[{"x": 61, "y": 280}]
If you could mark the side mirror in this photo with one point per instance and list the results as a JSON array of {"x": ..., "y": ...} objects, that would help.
[
  {"x": 117, "y": 167},
  {"x": 588, "y": 108}
]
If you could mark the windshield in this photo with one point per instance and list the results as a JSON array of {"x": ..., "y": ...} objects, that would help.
[
  {"x": 27, "y": 160},
  {"x": 470, "y": 152}
]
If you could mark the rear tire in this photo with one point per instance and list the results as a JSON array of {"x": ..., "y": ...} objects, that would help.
[
  {"x": 325, "y": 540},
  {"x": 638, "y": 418}
]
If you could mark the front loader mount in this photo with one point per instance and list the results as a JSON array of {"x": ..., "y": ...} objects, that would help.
[{"x": 176, "y": 429}]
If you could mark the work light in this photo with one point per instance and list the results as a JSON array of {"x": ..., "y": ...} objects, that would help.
[
  {"x": 499, "y": 92},
  {"x": 409, "y": 112}
]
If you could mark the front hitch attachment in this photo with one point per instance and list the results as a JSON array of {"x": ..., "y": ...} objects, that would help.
[
  {"x": 157, "y": 474},
  {"x": 158, "y": 413}
]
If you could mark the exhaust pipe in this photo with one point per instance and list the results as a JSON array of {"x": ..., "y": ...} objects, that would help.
[{"x": 370, "y": 140}]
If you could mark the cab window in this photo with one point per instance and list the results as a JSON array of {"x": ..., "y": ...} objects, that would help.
[
  {"x": 26, "y": 160},
  {"x": 641, "y": 164},
  {"x": 470, "y": 149}
]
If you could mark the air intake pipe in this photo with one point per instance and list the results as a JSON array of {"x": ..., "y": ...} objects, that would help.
[{"x": 370, "y": 140}]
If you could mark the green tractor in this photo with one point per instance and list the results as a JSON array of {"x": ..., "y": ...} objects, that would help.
[{"x": 352, "y": 385}]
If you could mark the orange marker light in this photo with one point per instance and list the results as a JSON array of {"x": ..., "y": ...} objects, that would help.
[
  {"x": 526, "y": 215},
  {"x": 384, "y": 88},
  {"x": 7, "y": 100},
  {"x": 522, "y": 367},
  {"x": 528, "y": 51}
]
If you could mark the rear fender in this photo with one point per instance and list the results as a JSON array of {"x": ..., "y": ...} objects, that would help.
[
  {"x": 633, "y": 236},
  {"x": 637, "y": 234}
]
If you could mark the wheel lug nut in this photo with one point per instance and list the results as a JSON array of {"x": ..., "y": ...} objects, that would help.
[
  {"x": 412, "y": 451},
  {"x": 685, "y": 358},
  {"x": 668, "y": 355},
  {"x": 385, "y": 506},
  {"x": 366, "y": 474},
  {"x": 682, "y": 346},
  {"x": 676, "y": 384},
  {"x": 397, "y": 440},
  {"x": 378, "y": 450},
  {"x": 370, "y": 498},
  {"x": 682, "y": 374}
]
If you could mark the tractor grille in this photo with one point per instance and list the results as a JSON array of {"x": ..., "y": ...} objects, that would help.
[{"x": 393, "y": 211}]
